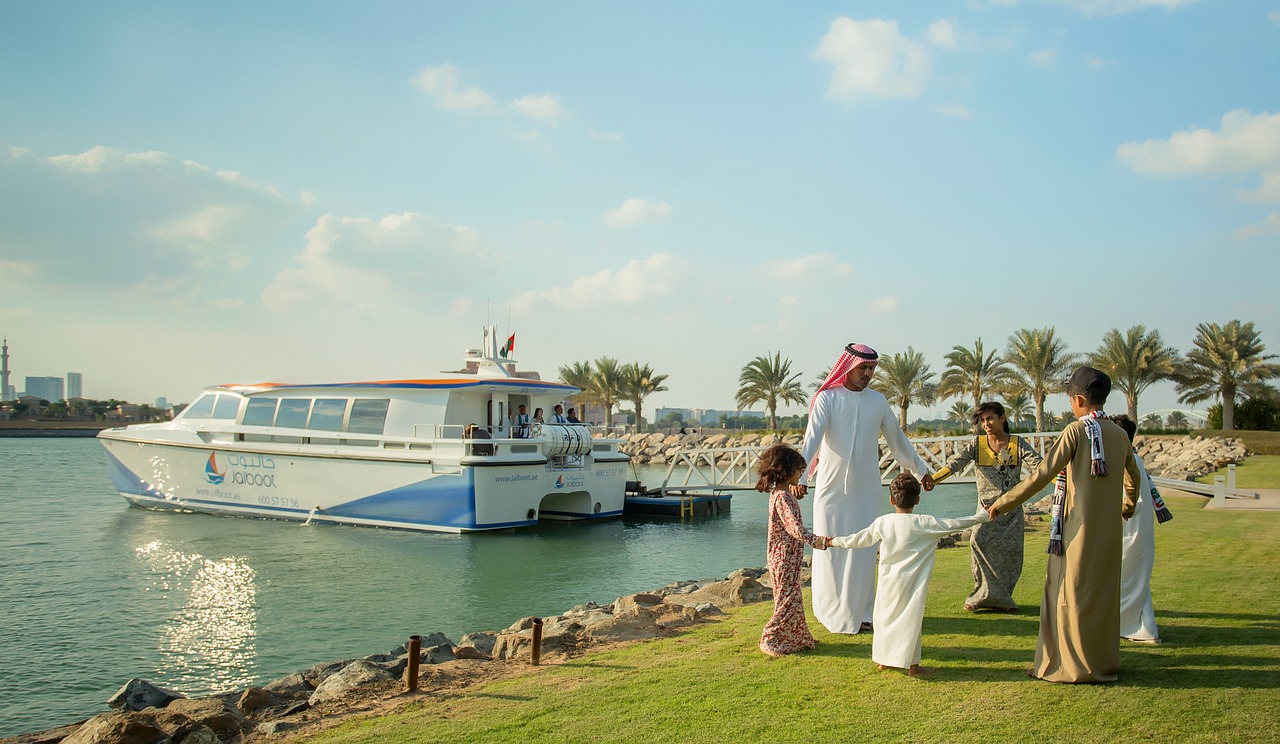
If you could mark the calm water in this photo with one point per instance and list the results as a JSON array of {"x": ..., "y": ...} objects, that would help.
[{"x": 94, "y": 592}]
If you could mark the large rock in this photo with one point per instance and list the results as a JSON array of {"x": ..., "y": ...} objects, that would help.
[
  {"x": 481, "y": 642},
  {"x": 631, "y": 625},
  {"x": 558, "y": 634},
  {"x": 356, "y": 674},
  {"x": 223, "y": 719},
  {"x": 731, "y": 592},
  {"x": 139, "y": 694},
  {"x": 151, "y": 726},
  {"x": 294, "y": 686}
]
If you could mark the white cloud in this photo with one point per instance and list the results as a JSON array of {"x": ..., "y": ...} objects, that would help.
[
  {"x": 605, "y": 136},
  {"x": 805, "y": 269},
  {"x": 1274, "y": 17},
  {"x": 352, "y": 263},
  {"x": 786, "y": 302},
  {"x": 544, "y": 109},
  {"x": 942, "y": 33},
  {"x": 636, "y": 212},
  {"x": 1245, "y": 143},
  {"x": 12, "y": 271},
  {"x": 954, "y": 110},
  {"x": 206, "y": 225},
  {"x": 104, "y": 217},
  {"x": 1043, "y": 57},
  {"x": 1270, "y": 225},
  {"x": 872, "y": 58},
  {"x": 441, "y": 83},
  {"x": 1116, "y": 7},
  {"x": 638, "y": 283},
  {"x": 884, "y": 305}
]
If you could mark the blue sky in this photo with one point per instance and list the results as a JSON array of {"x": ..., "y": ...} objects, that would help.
[{"x": 197, "y": 194}]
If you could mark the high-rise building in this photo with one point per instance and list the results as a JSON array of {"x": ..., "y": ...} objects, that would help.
[
  {"x": 6, "y": 391},
  {"x": 45, "y": 388},
  {"x": 162, "y": 403},
  {"x": 75, "y": 385}
]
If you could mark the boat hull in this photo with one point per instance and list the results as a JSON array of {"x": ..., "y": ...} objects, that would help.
[{"x": 359, "y": 488}]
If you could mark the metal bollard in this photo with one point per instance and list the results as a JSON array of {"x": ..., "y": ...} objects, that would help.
[
  {"x": 1219, "y": 492},
  {"x": 535, "y": 654},
  {"x": 415, "y": 658}
]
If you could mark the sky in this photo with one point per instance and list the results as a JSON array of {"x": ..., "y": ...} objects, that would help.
[{"x": 205, "y": 193}]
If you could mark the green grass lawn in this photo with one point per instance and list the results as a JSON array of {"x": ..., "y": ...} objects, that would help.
[
  {"x": 1257, "y": 471},
  {"x": 1216, "y": 678}
]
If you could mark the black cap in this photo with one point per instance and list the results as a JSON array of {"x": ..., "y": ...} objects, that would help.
[{"x": 1089, "y": 380}]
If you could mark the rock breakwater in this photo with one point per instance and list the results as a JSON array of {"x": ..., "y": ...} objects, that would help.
[{"x": 1187, "y": 458}]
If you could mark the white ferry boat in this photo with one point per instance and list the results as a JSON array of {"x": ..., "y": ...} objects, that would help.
[{"x": 384, "y": 453}]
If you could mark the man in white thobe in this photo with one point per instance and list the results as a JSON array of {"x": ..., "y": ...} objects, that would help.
[{"x": 846, "y": 420}]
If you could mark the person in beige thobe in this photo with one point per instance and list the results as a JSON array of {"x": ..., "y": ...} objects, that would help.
[{"x": 1080, "y": 612}]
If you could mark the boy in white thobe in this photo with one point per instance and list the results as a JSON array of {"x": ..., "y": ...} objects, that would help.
[
  {"x": 846, "y": 420},
  {"x": 907, "y": 545}
]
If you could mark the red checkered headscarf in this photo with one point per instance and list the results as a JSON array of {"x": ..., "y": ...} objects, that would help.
[{"x": 853, "y": 355}]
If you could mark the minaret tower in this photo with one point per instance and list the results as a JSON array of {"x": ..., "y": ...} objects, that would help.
[{"x": 4, "y": 370}]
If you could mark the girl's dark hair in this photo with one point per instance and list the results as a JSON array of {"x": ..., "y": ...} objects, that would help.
[
  {"x": 989, "y": 407},
  {"x": 776, "y": 466}
]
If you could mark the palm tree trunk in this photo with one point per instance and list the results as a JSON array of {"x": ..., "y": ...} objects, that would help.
[
  {"x": 1040, "y": 412},
  {"x": 902, "y": 421},
  {"x": 773, "y": 415},
  {"x": 1133, "y": 406},
  {"x": 1228, "y": 408}
]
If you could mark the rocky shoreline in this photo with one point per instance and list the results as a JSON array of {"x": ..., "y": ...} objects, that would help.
[{"x": 330, "y": 692}]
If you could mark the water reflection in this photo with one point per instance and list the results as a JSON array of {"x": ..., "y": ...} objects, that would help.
[{"x": 208, "y": 642}]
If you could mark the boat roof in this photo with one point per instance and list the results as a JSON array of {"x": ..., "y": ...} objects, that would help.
[{"x": 517, "y": 384}]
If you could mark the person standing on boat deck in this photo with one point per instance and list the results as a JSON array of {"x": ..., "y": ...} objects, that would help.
[
  {"x": 520, "y": 424},
  {"x": 573, "y": 416},
  {"x": 995, "y": 551},
  {"x": 475, "y": 432},
  {"x": 557, "y": 415},
  {"x": 846, "y": 420},
  {"x": 537, "y": 416}
]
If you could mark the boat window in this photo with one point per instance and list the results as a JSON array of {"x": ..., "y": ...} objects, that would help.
[
  {"x": 201, "y": 408},
  {"x": 260, "y": 411},
  {"x": 293, "y": 413},
  {"x": 368, "y": 416},
  {"x": 227, "y": 407},
  {"x": 327, "y": 414}
]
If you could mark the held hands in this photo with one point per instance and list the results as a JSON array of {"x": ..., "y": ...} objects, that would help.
[
  {"x": 799, "y": 490},
  {"x": 821, "y": 542},
  {"x": 927, "y": 482},
  {"x": 992, "y": 511}
]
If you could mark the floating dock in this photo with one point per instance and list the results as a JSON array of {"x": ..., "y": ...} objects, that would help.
[{"x": 677, "y": 504}]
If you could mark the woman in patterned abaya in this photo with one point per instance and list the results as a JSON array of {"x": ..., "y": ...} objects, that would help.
[
  {"x": 786, "y": 632},
  {"x": 996, "y": 547}
]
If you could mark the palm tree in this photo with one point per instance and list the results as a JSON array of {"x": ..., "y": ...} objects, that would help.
[
  {"x": 579, "y": 375},
  {"x": 1176, "y": 420},
  {"x": 1135, "y": 361},
  {"x": 1018, "y": 406},
  {"x": 821, "y": 378},
  {"x": 1224, "y": 358},
  {"x": 1041, "y": 360},
  {"x": 606, "y": 386},
  {"x": 769, "y": 380},
  {"x": 1152, "y": 422},
  {"x": 905, "y": 379},
  {"x": 639, "y": 382},
  {"x": 961, "y": 412},
  {"x": 972, "y": 372}
]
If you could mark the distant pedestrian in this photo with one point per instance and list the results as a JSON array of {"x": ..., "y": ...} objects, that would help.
[{"x": 786, "y": 632}]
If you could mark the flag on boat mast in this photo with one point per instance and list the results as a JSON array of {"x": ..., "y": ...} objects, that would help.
[{"x": 509, "y": 347}]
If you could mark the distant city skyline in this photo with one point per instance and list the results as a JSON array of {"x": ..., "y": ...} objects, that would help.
[{"x": 358, "y": 190}]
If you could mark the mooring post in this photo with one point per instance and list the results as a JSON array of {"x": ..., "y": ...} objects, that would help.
[
  {"x": 415, "y": 658},
  {"x": 535, "y": 654},
  {"x": 1231, "y": 478},
  {"x": 1219, "y": 492}
]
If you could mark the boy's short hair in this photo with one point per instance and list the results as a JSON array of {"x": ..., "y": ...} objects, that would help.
[
  {"x": 904, "y": 491},
  {"x": 1092, "y": 383}
]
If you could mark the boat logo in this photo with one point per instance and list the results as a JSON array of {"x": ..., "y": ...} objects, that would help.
[
  {"x": 211, "y": 473},
  {"x": 560, "y": 482}
]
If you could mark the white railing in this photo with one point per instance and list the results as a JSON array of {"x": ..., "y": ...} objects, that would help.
[
  {"x": 1221, "y": 490},
  {"x": 733, "y": 468}
]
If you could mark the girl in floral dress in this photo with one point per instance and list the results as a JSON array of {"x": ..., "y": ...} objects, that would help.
[{"x": 786, "y": 632}]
